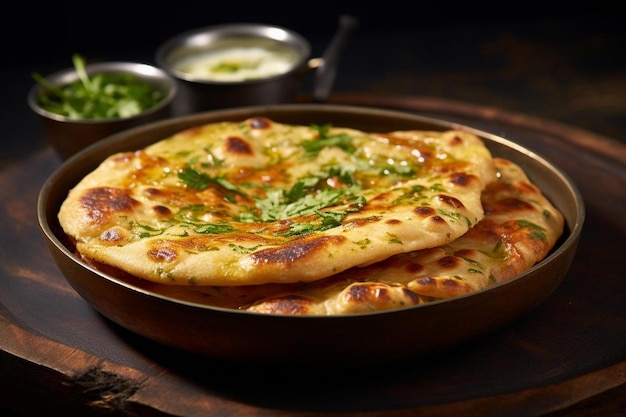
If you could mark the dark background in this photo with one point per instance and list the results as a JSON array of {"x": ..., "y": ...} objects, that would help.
[
  {"x": 556, "y": 61},
  {"x": 559, "y": 62}
]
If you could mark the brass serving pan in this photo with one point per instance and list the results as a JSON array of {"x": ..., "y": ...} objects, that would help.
[{"x": 363, "y": 339}]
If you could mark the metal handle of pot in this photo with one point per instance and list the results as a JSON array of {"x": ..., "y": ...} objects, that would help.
[{"x": 327, "y": 70}]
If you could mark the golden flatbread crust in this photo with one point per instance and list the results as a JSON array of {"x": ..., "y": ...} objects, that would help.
[
  {"x": 520, "y": 228},
  {"x": 257, "y": 201}
]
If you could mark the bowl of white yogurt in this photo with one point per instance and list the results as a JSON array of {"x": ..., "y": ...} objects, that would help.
[{"x": 242, "y": 64}]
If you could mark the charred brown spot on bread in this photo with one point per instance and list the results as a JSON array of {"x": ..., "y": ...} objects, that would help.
[
  {"x": 161, "y": 211},
  {"x": 377, "y": 296},
  {"x": 449, "y": 262},
  {"x": 450, "y": 201},
  {"x": 428, "y": 212},
  {"x": 238, "y": 146},
  {"x": 451, "y": 282},
  {"x": 456, "y": 140},
  {"x": 393, "y": 222},
  {"x": 153, "y": 192},
  {"x": 426, "y": 282},
  {"x": 113, "y": 235},
  {"x": 259, "y": 123},
  {"x": 414, "y": 268},
  {"x": 163, "y": 254},
  {"x": 296, "y": 250},
  {"x": 440, "y": 287},
  {"x": 461, "y": 178},
  {"x": 366, "y": 291},
  {"x": 438, "y": 282},
  {"x": 103, "y": 202},
  {"x": 424, "y": 211}
]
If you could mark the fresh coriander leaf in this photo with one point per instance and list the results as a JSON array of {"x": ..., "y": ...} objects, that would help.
[
  {"x": 342, "y": 140},
  {"x": 310, "y": 203},
  {"x": 537, "y": 232},
  {"x": 329, "y": 220},
  {"x": 195, "y": 179},
  {"x": 79, "y": 66},
  {"x": 200, "y": 180},
  {"x": 214, "y": 228},
  {"x": 332, "y": 219}
]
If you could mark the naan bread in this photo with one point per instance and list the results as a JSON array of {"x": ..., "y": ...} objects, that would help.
[
  {"x": 257, "y": 201},
  {"x": 520, "y": 228}
]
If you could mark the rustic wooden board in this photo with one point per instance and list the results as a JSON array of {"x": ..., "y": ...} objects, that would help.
[{"x": 59, "y": 355}]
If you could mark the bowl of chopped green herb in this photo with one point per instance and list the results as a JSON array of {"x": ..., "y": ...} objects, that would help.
[{"x": 83, "y": 104}]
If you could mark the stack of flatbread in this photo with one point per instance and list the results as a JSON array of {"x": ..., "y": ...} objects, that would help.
[{"x": 310, "y": 220}]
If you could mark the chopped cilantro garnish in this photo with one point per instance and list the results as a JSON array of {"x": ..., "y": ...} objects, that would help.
[
  {"x": 199, "y": 180},
  {"x": 194, "y": 179},
  {"x": 146, "y": 230},
  {"x": 214, "y": 228},
  {"x": 329, "y": 219},
  {"x": 276, "y": 206},
  {"x": 537, "y": 232},
  {"x": 100, "y": 96},
  {"x": 340, "y": 140}
]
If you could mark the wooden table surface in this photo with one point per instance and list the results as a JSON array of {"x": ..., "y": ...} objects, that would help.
[
  {"x": 551, "y": 78},
  {"x": 567, "y": 357}
]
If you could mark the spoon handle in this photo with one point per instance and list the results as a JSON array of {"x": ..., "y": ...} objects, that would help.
[{"x": 326, "y": 72}]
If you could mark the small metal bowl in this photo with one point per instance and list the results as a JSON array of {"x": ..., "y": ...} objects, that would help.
[
  {"x": 200, "y": 93},
  {"x": 276, "y": 340},
  {"x": 69, "y": 136}
]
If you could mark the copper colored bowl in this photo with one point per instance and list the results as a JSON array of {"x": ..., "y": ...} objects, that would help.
[{"x": 251, "y": 338}]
